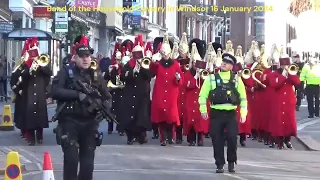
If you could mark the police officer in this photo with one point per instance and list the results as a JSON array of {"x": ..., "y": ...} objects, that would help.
[
  {"x": 226, "y": 91},
  {"x": 79, "y": 127},
  {"x": 311, "y": 74},
  {"x": 300, "y": 87}
]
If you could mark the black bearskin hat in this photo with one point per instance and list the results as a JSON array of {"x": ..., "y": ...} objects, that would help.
[
  {"x": 201, "y": 46},
  {"x": 78, "y": 40},
  {"x": 159, "y": 40},
  {"x": 216, "y": 46}
]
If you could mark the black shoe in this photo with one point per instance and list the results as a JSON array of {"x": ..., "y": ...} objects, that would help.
[
  {"x": 130, "y": 142},
  {"x": 243, "y": 143},
  {"x": 289, "y": 145},
  {"x": 231, "y": 168},
  {"x": 179, "y": 141},
  {"x": 272, "y": 145},
  {"x": 192, "y": 144},
  {"x": 171, "y": 141},
  {"x": 260, "y": 140},
  {"x": 142, "y": 140},
  {"x": 163, "y": 143},
  {"x": 121, "y": 134},
  {"x": 155, "y": 136},
  {"x": 310, "y": 116},
  {"x": 207, "y": 136},
  {"x": 22, "y": 135},
  {"x": 220, "y": 169},
  {"x": 200, "y": 143},
  {"x": 266, "y": 143},
  {"x": 254, "y": 138},
  {"x": 32, "y": 143},
  {"x": 109, "y": 132},
  {"x": 39, "y": 141},
  {"x": 297, "y": 108}
]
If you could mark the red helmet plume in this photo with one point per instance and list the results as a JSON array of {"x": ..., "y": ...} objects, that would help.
[{"x": 148, "y": 50}]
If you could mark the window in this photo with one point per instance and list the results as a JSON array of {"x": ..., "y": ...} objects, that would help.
[
  {"x": 259, "y": 26},
  {"x": 249, "y": 26},
  {"x": 188, "y": 26}
]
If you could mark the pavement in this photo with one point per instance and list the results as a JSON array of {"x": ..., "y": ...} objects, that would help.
[{"x": 117, "y": 160}]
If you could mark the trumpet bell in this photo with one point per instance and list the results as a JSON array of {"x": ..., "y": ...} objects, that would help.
[
  {"x": 187, "y": 67},
  {"x": 93, "y": 65},
  {"x": 145, "y": 63},
  {"x": 113, "y": 86},
  {"x": 205, "y": 74},
  {"x": 43, "y": 60},
  {"x": 246, "y": 73},
  {"x": 293, "y": 69}
]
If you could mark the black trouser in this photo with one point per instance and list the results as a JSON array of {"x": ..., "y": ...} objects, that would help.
[
  {"x": 312, "y": 92},
  {"x": 299, "y": 95},
  {"x": 155, "y": 129},
  {"x": 110, "y": 126},
  {"x": 139, "y": 133},
  {"x": 179, "y": 132},
  {"x": 80, "y": 147},
  {"x": 34, "y": 134},
  {"x": 220, "y": 120},
  {"x": 166, "y": 132}
]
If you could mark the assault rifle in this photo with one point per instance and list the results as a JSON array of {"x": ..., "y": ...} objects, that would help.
[{"x": 97, "y": 104}]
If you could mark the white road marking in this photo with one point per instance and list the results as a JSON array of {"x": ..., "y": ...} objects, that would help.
[
  {"x": 33, "y": 156},
  {"x": 234, "y": 176},
  {"x": 302, "y": 125},
  {"x": 24, "y": 159},
  {"x": 287, "y": 175}
]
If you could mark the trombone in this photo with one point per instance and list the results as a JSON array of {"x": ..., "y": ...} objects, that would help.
[
  {"x": 246, "y": 73},
  {"x": 145, "y": 63},
  {"x": 257, "y": 80}
]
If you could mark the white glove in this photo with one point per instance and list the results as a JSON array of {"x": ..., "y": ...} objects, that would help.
[
  {"x": 285, "y": 73},
  {"x": 136, "y": 68},
  {"x": 178, "y": 77}
]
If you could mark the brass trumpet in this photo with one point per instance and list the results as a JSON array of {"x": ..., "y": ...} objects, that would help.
[
  {"x": 187, "y": 67},
  {"x": 42, "y": 61},
  {"x": 257, "y": 80},
  {"x": 93, "y": 65},
  {"x": 246, "y": 73},
  {"x": 204, "y": 74},
  {"x": 118, "y": 84},
  {"x": 145, "y": 63},
  {"x": 293, "y": 69}
]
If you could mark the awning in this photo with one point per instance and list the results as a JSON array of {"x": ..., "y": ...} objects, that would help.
[{"x": 25, "y": 33}]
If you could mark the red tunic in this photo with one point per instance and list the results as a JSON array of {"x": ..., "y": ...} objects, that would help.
[
  {"x": 245, "y": 128},
  {"x": 257, "y": 104},
  {"x": 164, "y": 106},
  {"x": 285, "y": 122},
  {"x": 193, "y": 116},
  {"x": 182, "y": 99}
]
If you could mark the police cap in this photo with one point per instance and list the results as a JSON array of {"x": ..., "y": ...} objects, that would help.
[{"x": 228, "y": 58}]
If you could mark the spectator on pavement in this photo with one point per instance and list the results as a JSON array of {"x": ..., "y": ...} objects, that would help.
[{"x": 104, "y": 63}]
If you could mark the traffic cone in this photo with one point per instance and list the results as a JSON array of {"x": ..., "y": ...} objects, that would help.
[
  {"x": 47, "y": 167},
  {"x": 7, "y": 123}
]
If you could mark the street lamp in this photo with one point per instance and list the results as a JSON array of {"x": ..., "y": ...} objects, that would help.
[{"x": 224, "y": 27}]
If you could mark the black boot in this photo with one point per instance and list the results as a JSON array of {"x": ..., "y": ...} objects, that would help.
[
  {"x": 200, "y": 139},
  {"x": 242, "y": 140},
  {"x": 155, "y": 135},
  {"x": 297, "y": 108},
  {"x": 231, "y": 167},
  {"x": 219, "y": 169}
]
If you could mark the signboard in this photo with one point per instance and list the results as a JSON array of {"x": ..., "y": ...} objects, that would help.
[
  {"x": 136, "y": 15},
  {"x": 13, "y": 171},
  {"x": 5, "y": 27},
  {"x": 61, "y": 16},
  {"x": 27, "y": 33},
  {"x": 61, "y": 27},
  {"x": 41, "y": 12},
  {"x": 87, "y": 3}
]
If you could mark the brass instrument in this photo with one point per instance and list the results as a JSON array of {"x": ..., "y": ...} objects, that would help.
[
  {"x": 145, "y": 63},
  {"x": 23, "y": 59},
  {"x": 93, "y": 64},
  {"x": 204, "y": 74},
  {"x": 42, "y": 61},
  {"x": 246, "y": 73},
  {"x": 187, "y": 67},
  {"x": 257, "y": 80},
  {"x": 293, "y": 69},
  {"x": 118, "y": 84}
]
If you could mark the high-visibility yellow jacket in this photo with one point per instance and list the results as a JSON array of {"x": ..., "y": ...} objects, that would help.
[
  {"x": 210, "y": 84},
  {"x": 311, "y": 75}
]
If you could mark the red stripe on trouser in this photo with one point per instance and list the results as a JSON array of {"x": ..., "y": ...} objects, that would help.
[{"x": 174, "y": 133}]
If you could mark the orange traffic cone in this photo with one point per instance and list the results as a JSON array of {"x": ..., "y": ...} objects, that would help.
[{"x": 47, "y": 167}]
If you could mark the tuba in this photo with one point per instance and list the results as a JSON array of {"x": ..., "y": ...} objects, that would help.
[
  {"x": 145, "y": 63},
  {"x": 246, "y": 73}
]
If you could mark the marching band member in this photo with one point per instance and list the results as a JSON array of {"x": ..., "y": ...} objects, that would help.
[
  {"x": 164, "y": 107},
  {"x": 285, "y": 124},
  {"x": 239, "y": 55},
  {"x": 36, "y": 78},
  {"x": 183, "y": 60},
  {"x": 229, "y": 48},
  {"x": 136, "y": 75},
  {"x": 211, "y": 58},
  {"x": 155, "y": 57},
  {"x": 115, "y": 85},
  {"x": 245, "y": 74},
  {"x": 195, "y": 126}
]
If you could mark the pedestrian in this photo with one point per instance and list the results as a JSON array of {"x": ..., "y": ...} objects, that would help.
[
  {"x": 311, "y": 74},
  {"x": 75, "y": 121},
  {"x": 104, "y": 63},
  {"x": 225, "y": 92}
]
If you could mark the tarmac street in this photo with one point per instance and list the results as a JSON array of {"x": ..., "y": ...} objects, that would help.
[{"x": 116, "y": 160}]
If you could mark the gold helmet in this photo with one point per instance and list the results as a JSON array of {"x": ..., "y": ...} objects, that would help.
[
  {"x": 175, "y": 51},
  {"x": 219, "y": 57},
  {"x": 165, "y": 48},
  {"x": 229, "y": 48},
  {"x": 211, "y": 57},
  {"x": 239, "y": 55},
  {"x": 183, "y": 46}
]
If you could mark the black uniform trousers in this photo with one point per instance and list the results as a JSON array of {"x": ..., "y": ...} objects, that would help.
[
  {"x": 299, "y": 96},
  {"x": 78, "y": 147},
  {"x": 220, "y": 120},
  {"x": 312, "y": 92}
]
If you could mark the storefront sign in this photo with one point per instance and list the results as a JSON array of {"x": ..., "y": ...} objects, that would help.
[
  {"x": 5, "y": 27},
  {"x": 41, "y": 12}
]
